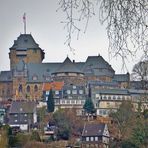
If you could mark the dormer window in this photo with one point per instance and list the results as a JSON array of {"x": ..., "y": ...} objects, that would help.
[
  {"x": 26, "y": 40},
  {"x": 35, "y": 77},
  {"x": 47, "y": 78}
]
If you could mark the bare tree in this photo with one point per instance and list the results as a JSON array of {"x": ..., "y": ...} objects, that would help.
[
  {"x": 127, "y": 22},
  {"x": 140, "y": 71}
]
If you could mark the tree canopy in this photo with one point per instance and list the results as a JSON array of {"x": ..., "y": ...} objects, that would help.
[
  {"x": 63, "y": 124},
  {"x": 131, "y": 126}
]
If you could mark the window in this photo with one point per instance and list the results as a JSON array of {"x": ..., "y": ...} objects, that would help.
[
  {"x": 109, "y": 97},
  {"x": 25, "y": 40},
  {"x": 114, "y": 97},
  {"x": 15, "y": 120},
  {"x": 20, "y": 88},
  {"x": 87, "y": 138},
  {"x": 74, "y": 92},
  {"x": 15, "y": 115},
  {"x": 47, "y": 92},
  {"x": 104, "y": 112},
  {"x": 3, "y": 92},
  {"x": 68, "y": 92},
  {"x": 25, "y": 115},
  {"x": 80, "y": 92},
  {"x": 74, "y": 87},
  {"x": 63, "y": 101},
  {"x": 8, "y": 92},
  {"x": 57, "y": 92},
  {"x": 91, "y": 138},
  {"x": 118, "y": 98},
  {"x": 47, "y": 78},
  {"x": 72, "y": 101},
  {"x": 34, "y": 77},
  {"x": 96, "y": 138},
  {"x": 35, "y": 88},
  {"x": 104, "y": 97},
  {"x": 100, "y": 112},
  {"x": 28, "y": 88}
]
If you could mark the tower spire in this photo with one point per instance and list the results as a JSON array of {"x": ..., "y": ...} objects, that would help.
[{"x": 24, "y": 21}]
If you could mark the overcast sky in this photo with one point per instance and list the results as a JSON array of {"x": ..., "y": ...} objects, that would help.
[{"x": 44, "y": 23}]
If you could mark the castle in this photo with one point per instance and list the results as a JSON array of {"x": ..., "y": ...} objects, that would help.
[{"x": 28, "y": 73}]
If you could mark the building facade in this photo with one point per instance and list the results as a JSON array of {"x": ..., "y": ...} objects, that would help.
[{"x": 27, "y": 72}]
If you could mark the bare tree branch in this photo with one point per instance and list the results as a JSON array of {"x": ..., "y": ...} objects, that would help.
[{"x": 127, "y": 23}]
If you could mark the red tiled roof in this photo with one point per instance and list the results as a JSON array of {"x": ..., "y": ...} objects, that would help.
[{"x": 53, "y": 85}]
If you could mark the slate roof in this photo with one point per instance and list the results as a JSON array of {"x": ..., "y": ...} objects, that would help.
[
  {"x": 22, "y": 107},
  {"x": 67, "y": 66},
  {"x": 41, "y": 70},
  {"x": 101, "y": 83},
  {"x": 93, "y": 129},
  {"x": 5, "y": 76},
  {"x": 121, "y": 77},
  {"x": 24, "y": 42},
  {"x": 113, "y": 91},
  {"x": 96, "y": 65},
  {"x": 97, "y": 62}
]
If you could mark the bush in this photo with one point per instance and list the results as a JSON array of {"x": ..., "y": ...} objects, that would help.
[
  {"x": 35, "y": 136},
  {"x": 34, "y": 144},
  {"x": 128, "y": 144}
]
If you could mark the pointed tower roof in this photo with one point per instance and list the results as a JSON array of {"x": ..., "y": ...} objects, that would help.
[
  {"x": 24, "y": 42},
  {"x": 67, "y": 66}
]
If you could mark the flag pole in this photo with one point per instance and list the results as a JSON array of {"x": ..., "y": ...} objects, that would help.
[{"x": 24, "y": 20}]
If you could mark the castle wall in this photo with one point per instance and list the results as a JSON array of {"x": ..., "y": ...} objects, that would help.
[{"x": 6, "y": 90}]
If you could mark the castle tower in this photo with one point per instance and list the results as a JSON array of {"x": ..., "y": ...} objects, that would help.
[{"x": 25, "y": 48}]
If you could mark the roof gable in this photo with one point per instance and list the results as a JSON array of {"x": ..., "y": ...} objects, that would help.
[
  {"x": 67, "y": 66},
  {"x": 93, "y": 129},
  {"x": 22, "y": 107}
]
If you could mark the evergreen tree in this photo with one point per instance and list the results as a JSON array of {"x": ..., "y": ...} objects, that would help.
[
  {"x": 89, "y": 106},
  {"x": 50, "y": 102}
]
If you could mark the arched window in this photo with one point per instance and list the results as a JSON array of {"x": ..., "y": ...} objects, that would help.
[
  {"x": 28, "y": 89},
  {"x": 3, "y": 92},
  {"x": 8, "y": 91},
  {"x": 20, "y": 88},
  {"x": 35, "y": 88}
]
